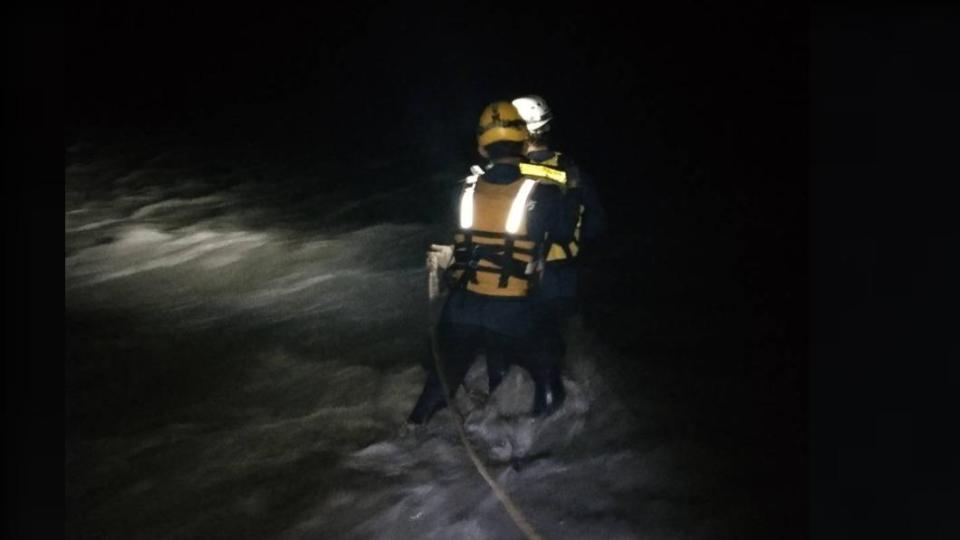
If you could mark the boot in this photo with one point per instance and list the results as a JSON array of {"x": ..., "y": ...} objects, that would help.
[
  {"x": 431, "y": 400},
  {"x": 549, "y": 393}
]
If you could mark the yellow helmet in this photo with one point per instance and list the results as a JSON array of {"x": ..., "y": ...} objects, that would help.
[{"x": 501, "y": 121}]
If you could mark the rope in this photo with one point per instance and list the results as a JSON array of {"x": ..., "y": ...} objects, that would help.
[{"x": 515, "y": 514}]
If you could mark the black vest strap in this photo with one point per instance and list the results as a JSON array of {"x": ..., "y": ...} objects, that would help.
[{"x": 508, "y": 263}]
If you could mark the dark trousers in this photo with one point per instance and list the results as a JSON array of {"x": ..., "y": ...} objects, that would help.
[
  {"x": 458, "y": 346},
  {"x": 550, "y": 329},
  {"x": 552, "y": 317}
]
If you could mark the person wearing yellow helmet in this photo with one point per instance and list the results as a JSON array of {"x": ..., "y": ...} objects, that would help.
[{"x": 503, "y": 222}]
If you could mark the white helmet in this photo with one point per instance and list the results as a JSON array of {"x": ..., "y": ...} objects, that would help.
[{"x": 535, "y": 112}]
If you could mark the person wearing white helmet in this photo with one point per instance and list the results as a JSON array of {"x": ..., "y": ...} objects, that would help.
[
  {"x": 535, "y": 112},
  {"x": 557, "y": 289}
]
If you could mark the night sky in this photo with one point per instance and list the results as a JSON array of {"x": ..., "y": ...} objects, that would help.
[{"x": 728, "y": 147}]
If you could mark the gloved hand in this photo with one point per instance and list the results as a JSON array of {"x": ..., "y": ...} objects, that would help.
[{"x": 439, "y": 257}]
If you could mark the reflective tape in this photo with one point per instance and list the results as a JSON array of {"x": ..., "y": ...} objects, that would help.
[
  {"x": 519, "y": 206},
  {"x": 466, "y": 207}
]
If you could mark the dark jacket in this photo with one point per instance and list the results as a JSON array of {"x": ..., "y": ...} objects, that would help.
[{"x": 560, "y": 277}]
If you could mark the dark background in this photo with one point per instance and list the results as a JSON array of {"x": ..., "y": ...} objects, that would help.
[
  {"x": 884, "y": 262},
  {"x": 696, "y": 125}
]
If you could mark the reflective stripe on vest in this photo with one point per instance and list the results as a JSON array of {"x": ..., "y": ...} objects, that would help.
[
  {"x": 518, "y": 209},
  {"x": 466, "y": 206}
]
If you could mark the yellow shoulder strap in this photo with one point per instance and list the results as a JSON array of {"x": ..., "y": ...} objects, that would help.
[{"x": 541, "y": 171}]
